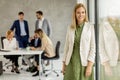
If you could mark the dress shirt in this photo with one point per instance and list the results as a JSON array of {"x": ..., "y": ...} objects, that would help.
[
  {"x": 36, "y": 42},
  {"x": 22, "y": 28},
  {"x": 40, "y": 23}
]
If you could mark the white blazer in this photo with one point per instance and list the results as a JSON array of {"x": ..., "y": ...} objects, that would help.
[
  {"x": 108, "y": 44},
  {"x": 10, "y": 45},
  {"x": 87, "y": 44}
]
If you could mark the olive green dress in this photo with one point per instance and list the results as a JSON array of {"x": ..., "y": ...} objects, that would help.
[{"x": 75, "y": 70}]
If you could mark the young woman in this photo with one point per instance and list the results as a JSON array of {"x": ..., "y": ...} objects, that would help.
[
  {"x": 10, "y": 43},
  {"x": 79, "y": 52},
  {"x": 47, "y": 46}
]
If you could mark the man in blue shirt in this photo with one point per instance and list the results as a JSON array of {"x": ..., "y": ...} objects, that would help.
[{"x": 21, "y": 30}]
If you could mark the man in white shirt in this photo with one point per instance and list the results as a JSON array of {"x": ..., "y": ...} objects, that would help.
[{"x": 42, "y": 23}]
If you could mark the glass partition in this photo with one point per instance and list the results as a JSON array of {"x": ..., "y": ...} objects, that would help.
[{"x": 109, "y": 39}]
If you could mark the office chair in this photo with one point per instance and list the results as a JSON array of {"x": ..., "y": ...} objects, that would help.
[
  {"x": 1, "y": 68},
  {"x": 56, "y": 57},
  {"x": 2, "y": 38},
  {"x": 6, "y": 64}
]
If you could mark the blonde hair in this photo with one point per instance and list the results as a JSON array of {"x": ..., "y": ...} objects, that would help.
[
  {"x": 8, "y": 33},
  {"x": 41, "y": 33},
  {"x": 74, "y": 23}
]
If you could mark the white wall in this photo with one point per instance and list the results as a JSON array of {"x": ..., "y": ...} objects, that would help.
[{"x": 58, "y": 12}]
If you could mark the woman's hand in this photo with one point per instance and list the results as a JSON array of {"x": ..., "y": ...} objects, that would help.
[
  {"x": 31, "y": 38},
  {"x": 17, "y": 48},
  {"x": 63, "y": 68},
  {"x": 88, "y": 71},
  {"x": 32, "y": 48},
  {"x": 46, "y": 55}
]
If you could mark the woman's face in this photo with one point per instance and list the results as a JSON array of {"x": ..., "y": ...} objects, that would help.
[
  {"x": 80, "y": 15},
  {"x": 10, "y": 36}
]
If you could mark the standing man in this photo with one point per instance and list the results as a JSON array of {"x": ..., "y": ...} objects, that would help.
[
  {"x": 42, "y": 23},
  {"x": 21, "y": 30}
]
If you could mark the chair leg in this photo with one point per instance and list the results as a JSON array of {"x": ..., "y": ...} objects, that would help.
[
  {"x": 43, "y": 67},
  {"x": 55, "y": 72},
  {"x": 6, "y": 64},
  {"x": 51, "y": 70}
]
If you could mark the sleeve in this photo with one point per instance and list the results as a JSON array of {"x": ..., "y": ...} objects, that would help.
[
  {"x": 31, "y": 43},
  {"x": 49, "y": 29},
  {"x": 36, "y": 23},
  {"x": 4, "y": 43},
  {"x": 13, "y": 26},
  {"x": 27, "y": 28},
  {"x": 66, "y": 48},
  {"x": 46, "y": 27},
  {"x": 91, "y": 56},
  {"x": 44, "y": 43}
]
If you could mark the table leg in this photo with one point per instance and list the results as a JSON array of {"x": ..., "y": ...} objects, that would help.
[{"x": 40, "y": 68}]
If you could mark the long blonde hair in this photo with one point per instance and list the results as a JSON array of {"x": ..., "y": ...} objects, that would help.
[
  {"x": 41, "y": 33},
  {"x": 74, "y": 20}
]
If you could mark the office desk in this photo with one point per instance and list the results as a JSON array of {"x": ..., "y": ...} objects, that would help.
[{"x": 24, "y": 52}]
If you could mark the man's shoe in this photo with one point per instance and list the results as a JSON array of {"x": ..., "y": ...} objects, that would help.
[
  {"x": 29, "y": 69},
  {"x": 34, "y": 69},
  {"x": 17, "y": 71},
  {"x": 36, "y": 74},
  {"x": 12, "y": 70}
]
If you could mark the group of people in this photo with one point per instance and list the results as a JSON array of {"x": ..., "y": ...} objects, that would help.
[
  {"x": 21, "y": 39},
  {"x": 79, "y": 51}
]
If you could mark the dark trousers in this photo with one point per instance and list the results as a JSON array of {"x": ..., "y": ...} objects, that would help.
[
  {"x": 37, "y": 59},
  {"x": 42, "y": 57},
  {"x": 13, "y": 58},
  {"x": 22, "y": 41}
]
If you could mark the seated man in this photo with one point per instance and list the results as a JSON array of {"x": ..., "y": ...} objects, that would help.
[{"x": 34, "y": 44}]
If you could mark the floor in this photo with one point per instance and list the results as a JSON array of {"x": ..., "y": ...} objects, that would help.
[{"x": 7, "y": 75}]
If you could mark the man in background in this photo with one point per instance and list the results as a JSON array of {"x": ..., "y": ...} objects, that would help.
[
  {"x": 42, "y": 23},
  {"x": 21, "y": 31}
]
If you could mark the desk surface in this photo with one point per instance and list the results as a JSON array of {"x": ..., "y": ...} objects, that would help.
[{"x": 20, "y": 52}]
